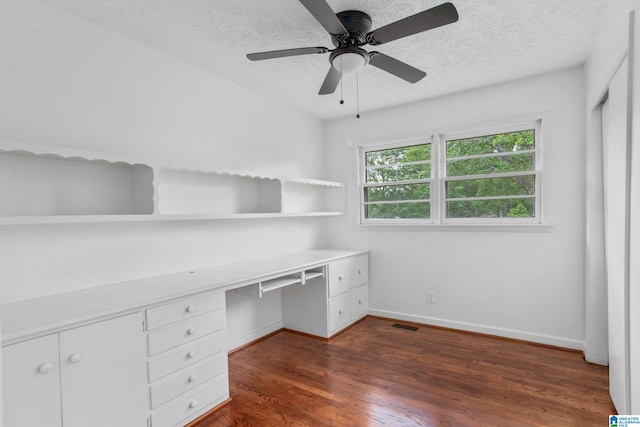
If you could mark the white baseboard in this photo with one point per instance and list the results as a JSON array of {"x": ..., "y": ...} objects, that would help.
[
  {"x": 489, "y": 330},
  {"x": 244, "y": 340}
]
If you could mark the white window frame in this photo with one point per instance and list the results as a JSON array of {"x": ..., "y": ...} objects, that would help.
[
  {"x": 438, "y": 179},
  {"x": 362, "y": 184}
]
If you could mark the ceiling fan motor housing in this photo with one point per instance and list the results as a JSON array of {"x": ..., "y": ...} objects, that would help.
[{"x": 358, "y": 25}]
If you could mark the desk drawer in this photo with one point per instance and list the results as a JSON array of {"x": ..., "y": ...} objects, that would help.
[
  {"x": 187, "y": 379},
  {"x": 360, "y": 270},
  {"x": 186, "y": 355},
  {"x": 167, "y": 314},
  {"x": 339, "y": 276},
  {"x": 339, "y": 312},
  {"x": 183, "y": 332},
  {"x": 359, "y": 301},
  {"x": 192, "y": 404}
]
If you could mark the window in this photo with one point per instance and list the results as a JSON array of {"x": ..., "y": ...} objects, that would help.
[
  {"x": 484, "y": 177},
  {"x": 398, "y": 182}
]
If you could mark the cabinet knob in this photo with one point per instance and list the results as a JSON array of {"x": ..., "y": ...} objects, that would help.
[
  {"x": 359, "y": 301},
  {"x": 192, "y": 379},
  {"x": 191, "y": 331},
  {"x": 191, "y": 354},
  {"x": 193, "y": 404},
  {"x": 340, "y": 311},
  {"x": 75, "y": 358},
  {"x": 45, "y": 367},
  {"x": 340, "y": 277},
  {"x": 191, "y": 309},
  {"x": 359, "y": 271}
]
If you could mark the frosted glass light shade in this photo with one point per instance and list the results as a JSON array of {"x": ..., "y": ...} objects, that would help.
[{"x": 349, "y": 62}]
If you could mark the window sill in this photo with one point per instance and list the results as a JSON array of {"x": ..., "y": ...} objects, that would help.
[{"x": 509, "y": 228}]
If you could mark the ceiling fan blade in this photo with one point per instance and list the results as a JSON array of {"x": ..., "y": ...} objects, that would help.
[
  {"x": 330, "y": 82},
  {"x": 435, "y": 17},
  {"x": 325, "y": 16},
  {"x": 286, "y": 52},
  {"x": 395, "y": 67}
]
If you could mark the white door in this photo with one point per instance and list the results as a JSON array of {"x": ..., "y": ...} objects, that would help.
[
  {"x": 614, "y": 113},
  {"x": 103, "y": 375},
  {"x": 31, "y": 380}
]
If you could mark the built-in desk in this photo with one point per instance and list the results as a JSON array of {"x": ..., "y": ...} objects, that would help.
[{"x": 152, "y": 351}]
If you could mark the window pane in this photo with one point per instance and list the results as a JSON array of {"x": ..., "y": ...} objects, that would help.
[
  {"x": 391, "y": 156},
  {"x": 419, "y": 210},
  {"x": 399, "y": 173},
  {"x": 498, "y": 208},
  {"x": 487, "y": 187},
  {"x": 494, "y": 164},
  {"x": 397, "y": 192},
  {"x": 502, "y": 142}
]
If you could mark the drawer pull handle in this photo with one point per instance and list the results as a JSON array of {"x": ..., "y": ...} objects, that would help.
[
  {"x": 340, "y": 277},
  {"x": 193, "y": 404},
  {"x": 192, "y": 379},
  {"x": 191, "y": 309},
  {"x": 340, "y": 311},
  {"x": 191, "y": 354},
  {"x": 359, "y": 301},
  {"x": 45, "y": 367},
  {"x": 359, "y": 271},
  {"x": 75, "y": 358},
  {"x": 191, "y": 331}
]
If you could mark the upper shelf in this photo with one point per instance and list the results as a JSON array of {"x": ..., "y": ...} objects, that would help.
[{"x": 50, "y": 185}]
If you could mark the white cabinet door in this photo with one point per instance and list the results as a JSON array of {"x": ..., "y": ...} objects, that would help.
[
  {"x": 31, "y": 377},
  {"x": 103, "y": 377}
]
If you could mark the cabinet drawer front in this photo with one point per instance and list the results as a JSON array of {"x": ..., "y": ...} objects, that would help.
[
  {"x": 184, "y": 309},
  {"x": 339, "y": 312},
  {"x": 186, "y": 355},
  {"x": 339, "y": 276},
  {"x": 183, "y": 332},
  {"x": 359, "y": 301},
  {"x": 187, "y": 379},
  {"x": 360, "y": 270},
  {"x": 192, "y": 404}
]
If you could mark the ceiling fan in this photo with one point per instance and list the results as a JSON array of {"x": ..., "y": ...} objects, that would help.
[{"x": 351, "y": 29}]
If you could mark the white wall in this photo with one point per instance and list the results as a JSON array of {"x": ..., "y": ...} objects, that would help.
[
  {"x": 526, "y": 285},
  {"x": 67, "y": 82}
]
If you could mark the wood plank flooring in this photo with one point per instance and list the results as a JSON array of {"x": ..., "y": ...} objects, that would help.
[{"x": 375, "y": 374}]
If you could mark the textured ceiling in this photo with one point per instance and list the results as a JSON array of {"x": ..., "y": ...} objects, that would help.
[{"x": 493, "y": 41}]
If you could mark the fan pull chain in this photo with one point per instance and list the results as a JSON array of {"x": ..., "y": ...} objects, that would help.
[
  {"x": 357, "y": 98},
  {"x": 341, "y": 97}
]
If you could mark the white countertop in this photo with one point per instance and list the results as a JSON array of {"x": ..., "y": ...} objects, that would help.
[{"x": 39, "y": 316}]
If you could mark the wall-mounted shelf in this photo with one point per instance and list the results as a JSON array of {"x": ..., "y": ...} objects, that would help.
[
  {"x": 43, "y": 184},
  {"x": 183, "y": 191},
  {"x": 306, "y": 195}
]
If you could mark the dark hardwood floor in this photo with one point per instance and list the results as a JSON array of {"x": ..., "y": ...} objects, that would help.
[{"x": 375, "y": 374}]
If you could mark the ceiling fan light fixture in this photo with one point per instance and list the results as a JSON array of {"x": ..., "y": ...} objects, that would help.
[{"x": 349, "y": 62}]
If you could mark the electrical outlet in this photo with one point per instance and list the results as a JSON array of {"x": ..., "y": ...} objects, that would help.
[{"x": 431, "y": 297}]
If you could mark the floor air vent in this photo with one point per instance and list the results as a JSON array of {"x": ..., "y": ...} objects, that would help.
[{"x": 401, "y": 326}]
